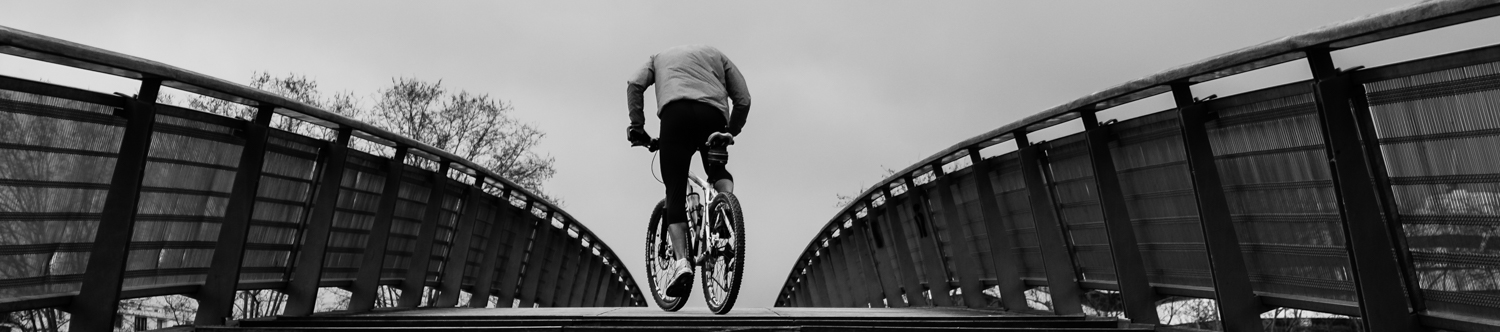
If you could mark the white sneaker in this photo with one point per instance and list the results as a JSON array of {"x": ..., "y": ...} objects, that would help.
[{"x": 682, "y": 278}]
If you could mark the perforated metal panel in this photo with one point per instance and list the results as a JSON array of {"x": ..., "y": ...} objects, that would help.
[
  {"x": 359, "y": 198},
  {"x": 971, "y": 228},
  {"x": 406, "y": 223},
  {"x": 1071, "y": 176},
  {"x": 1158, "y": 188},
  {"x": 1015, "y": 214},
  {"x": 1439, "y": 134},
  {"x": 1268, "y": 146},
  {"x": 281, "y": 206},
  {"x": 56, "y": 157},
  {"x": 185, "y": 190}
]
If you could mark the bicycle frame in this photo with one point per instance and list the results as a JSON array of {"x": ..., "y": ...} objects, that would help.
[{"x": 699, "y": 194}]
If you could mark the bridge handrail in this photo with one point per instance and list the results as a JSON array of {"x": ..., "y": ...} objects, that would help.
[
  {"x": 44, "y": 48},
  {"x": 1396, "y": 22},
  {"x": 53, "y": 50}
]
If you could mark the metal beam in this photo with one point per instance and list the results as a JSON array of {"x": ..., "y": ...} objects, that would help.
[
  {"x": 842, "y": 284},
  {"x": 580, "y": 276},
  {"x": 602, "y": 293},
  {"x": 541, "y": 243},
  {"x": 1130, "y": 268},
  {"x": 860, "y": 254},
  {"x": 366, "y": 289},
  {"x": 932, "y": 257},
  {"x": 547, "y": 288},
  {"x": 94, "y": 307},
  {"x": 892, "y": 221},
  {"x": 484, "y": 278},
  {"x": 216, "y": 297},
  {"x": 591, "y": 277},
  {"x": 966, "y": 262},
  {"x": 302, "y": 288},
  {"x": 1062, "y": 277},
  {"x": 1238, "y": 307},
  {"x": 616, "y": 296},
  {"x": 890, "y": 286},
  {"x": 1368, "y": 238},
  {"x": 451, "y": 279},
  {"x": 1002, "y": 251},
  {"x": 822, "y": 287},
  {"x": 519, "y": 223},
  {"x": 565, "y": 280},
  {"x": 413, "y": 284}
]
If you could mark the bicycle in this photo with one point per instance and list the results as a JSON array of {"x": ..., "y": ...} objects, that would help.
[{"x": 716, "y": 238}]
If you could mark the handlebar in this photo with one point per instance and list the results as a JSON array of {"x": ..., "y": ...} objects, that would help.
[{"x": 650, "y": 145}]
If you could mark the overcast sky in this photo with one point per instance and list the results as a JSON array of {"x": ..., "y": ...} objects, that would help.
[{"x": 842, "y": 89}]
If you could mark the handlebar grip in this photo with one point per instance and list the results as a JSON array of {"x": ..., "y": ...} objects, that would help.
[{"x": 650, "y": 145}]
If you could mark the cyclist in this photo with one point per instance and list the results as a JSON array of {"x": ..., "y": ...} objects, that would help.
[{"x": 692, "y": 85}]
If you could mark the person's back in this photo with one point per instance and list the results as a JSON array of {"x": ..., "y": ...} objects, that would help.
[{"x": 692, "y": 85}]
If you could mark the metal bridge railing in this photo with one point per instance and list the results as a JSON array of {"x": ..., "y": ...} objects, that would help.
[
  {"x": 1372, "y": 193},
  {"x": 106, "y": 197}
]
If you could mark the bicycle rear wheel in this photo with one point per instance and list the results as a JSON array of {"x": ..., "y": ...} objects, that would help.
[
  {"x": 659, "y": 258},
  {"x": 724, "y": 265}
]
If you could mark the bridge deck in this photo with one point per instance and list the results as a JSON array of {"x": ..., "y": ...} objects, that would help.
[
  {"x": 693, "y": 319},
  {"x": 638, "y": 312}
]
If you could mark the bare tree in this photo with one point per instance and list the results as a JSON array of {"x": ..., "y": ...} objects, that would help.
[
  {"x": 472, "y": 126},
  {"x": 49, "y": 320}
]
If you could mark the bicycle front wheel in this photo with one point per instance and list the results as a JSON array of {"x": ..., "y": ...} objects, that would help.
[
  {"x": 659, "y": 258},
  {"x": 724, "y": 264}
]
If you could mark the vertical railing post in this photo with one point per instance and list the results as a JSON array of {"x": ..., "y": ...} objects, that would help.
[
  {"x": 616, "y": 292},
  {"x": 605, "y": 275},
  {"x": 826, "y": 293},
  {"x": 1368, "y": 239},
  {"x": 932, "y": 256},
  {"x": 548, "y": 286},
  {"x": 216, "y": 297},
  {"x": 1057, "y": 260},
  {"x": 1130, "y": 269},
  {"x": 580, "y": 275},
  {"x": 571, "y": 248},
  {"x": 864, "y": 261},
  {"x": 804, "y": 295},
  {"x": 854, "y": 296},
  {"x": 1238, "y": 307},
  {"x": 366, "y": 288},
  {"x": 452, "y": 276},
  {"x": 302, "y": 288},
  {"x": 890, "y": 287},
  {"x": 842, "y": 283},
  {"x": 414, "y": 283},
  {"x": 94, "y": 307},
  {"x": 913, "y": 287},
  {"x": 484, "y": 278},
  {"x": 520, "y": 239},
  {"x": 1002, "y": 251},
  {"x": 591, "y": 276},
  {"x": 541, "y": 243},
  {"x": 966, "y": 262}
]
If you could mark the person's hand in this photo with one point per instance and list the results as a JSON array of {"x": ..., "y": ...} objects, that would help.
[
  {"x": 637, "y": 135},
  {"x": 721, "y": 138}
]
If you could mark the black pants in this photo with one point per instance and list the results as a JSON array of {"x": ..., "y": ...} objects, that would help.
[{"x": 685, "y": 126}]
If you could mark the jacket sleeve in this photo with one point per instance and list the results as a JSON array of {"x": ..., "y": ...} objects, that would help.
[
  {"x": 739, "y": 94},
  {"x": 634, "y": 90}
]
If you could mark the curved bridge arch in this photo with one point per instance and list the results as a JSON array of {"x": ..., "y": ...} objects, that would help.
[
  {"x": 1274, "y": 198},
  {"x": 112, "y": 197}
]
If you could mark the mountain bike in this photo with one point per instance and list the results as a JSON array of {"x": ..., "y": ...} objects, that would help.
[{"x": 716, "y": 239}]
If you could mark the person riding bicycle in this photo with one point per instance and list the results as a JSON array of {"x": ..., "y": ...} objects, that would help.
[{"x": 692, "y": 85}]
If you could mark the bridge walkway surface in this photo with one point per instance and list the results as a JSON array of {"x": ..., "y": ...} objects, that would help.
[{"x": 651, "y": 319}]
